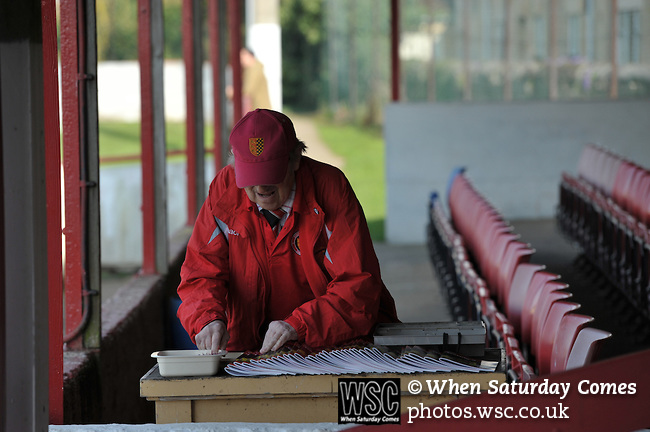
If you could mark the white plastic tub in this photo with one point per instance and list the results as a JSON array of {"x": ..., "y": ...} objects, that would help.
[{"x": 173, "y": 363}]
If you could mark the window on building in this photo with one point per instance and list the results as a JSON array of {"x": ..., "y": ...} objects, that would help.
[
  {"x": 589, "y": 31},
  {"x": 573, "y": 36},
  {"x": 629, "y": 36},
  {"x": 540, "y": 38},
  {"x": 486, "y": 30}
]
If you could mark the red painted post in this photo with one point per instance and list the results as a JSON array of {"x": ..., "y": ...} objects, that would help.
[
  {"x": 217, "y": 90},
  {"x": 394, "y": 50},
  {"x": 146, "y": 138},
  {"x": 53, "y": 190},
  {"x": 190, "y": 92},
  {"x": 4, "y": 349},
  {"x": 234, "y": 24},
  {"x": 71, "y": 167}
]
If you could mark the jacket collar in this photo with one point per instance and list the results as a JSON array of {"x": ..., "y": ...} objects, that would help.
[
  {"x": 306, "y": 201},
  {"x": 230, "y": 204}
]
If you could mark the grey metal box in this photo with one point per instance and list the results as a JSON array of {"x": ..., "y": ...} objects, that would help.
[{"x": 462, "y": 337}]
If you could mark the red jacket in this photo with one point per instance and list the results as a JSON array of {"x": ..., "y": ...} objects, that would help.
[{"x": 222, "y": 278}]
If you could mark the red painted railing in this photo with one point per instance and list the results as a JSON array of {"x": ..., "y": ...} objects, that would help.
[
  {"x": 217, "y": 91},
  {"x": 71, "y": 108},
  {"x": 234, "y": 25},
  {"x": 147, "y": 137},
  {"x": 53, "y": 187}
]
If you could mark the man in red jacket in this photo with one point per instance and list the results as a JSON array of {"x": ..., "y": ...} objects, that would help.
[{"x": 280, "y": 250}]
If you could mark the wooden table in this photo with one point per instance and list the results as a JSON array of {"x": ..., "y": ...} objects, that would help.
[{"x": 278, "y": 399}]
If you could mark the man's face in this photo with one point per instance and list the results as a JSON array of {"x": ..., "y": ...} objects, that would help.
[{"x": 271, "y": 197}]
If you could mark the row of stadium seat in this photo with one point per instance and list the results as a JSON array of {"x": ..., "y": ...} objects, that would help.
[
  {"x": 627, "y": 183},
  {"x": 606, "y": 211},
  {"x": 485, "y": 272}
]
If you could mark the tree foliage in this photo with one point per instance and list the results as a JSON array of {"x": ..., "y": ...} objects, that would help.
[
  {"x": 302, "y": 41},
  {"x": 117, "y": 29},
  {"x": 173, "y": 16}
]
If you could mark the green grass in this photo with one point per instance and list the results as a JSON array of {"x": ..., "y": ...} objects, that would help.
[
  {"x": 123, "y": 139},
  {"x": 363, "y": 151}
]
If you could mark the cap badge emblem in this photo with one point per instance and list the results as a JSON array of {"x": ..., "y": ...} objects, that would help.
[{"x": 256, "y": 146}]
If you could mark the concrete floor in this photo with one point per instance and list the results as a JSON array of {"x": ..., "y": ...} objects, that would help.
[{"x": 409, "y": 276}]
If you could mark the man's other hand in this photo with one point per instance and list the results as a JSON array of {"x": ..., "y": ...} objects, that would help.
[
  {"x": 213, "y": 337},
  {"x": 279, "y": 333}
]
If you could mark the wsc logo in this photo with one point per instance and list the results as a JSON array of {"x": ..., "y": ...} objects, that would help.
[{"x": 369, "y": 400}]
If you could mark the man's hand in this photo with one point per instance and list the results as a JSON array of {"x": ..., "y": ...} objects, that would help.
[
  {"x": 213, "y": 337},
  {"x": 278, "y": 334}
]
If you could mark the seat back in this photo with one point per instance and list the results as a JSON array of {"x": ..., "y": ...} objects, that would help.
[
  {"x": 567, "y": 333},
  {"x": 623, "y": 182},
  {"x": 640, "y": 203},
  {"x": 599, "y": 167},
  {"x": 585, "y": 349},
  {"x": 632, "y": 196},
  {"x": 462, "y": 205},
  {"x": 553, "y": 291},
  {"x": 491, "y": 256},
  {"x": 522, "y": 369},
  {"x": 539, "y": 280},
  {"x": 549, "y": 333},
  {"x": 612, "y": 165},
  {"x": 587, "y": 161},
  {"x": 515, "y": 254},
  {"x": 521, "y": 282}
]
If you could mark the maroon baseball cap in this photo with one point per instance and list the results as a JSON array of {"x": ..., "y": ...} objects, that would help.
[{"x": 261, "y": 142}]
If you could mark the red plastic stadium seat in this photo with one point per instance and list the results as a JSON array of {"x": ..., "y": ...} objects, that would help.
[
  {"x": 516, "y": 253},
  {"x": 520, "y": 366},
  {"x": 490, "y": 259},
  {"x": 521, "y": 282},
  {"x": 567, "y": 333},
  {"x": 553, "y": 291},
  {"x": 540, "y": 279},
  {"x": 527, "y": 372},
  {"x": 641, "y": 203},
  {"x": 548, "y": 334},
  {"x": 623, "y": 183},
  {"x": 633, "y": 192},
  {"x": 502, "y": 326},
  {"x": 511, "y": 343},
  {"x": 586, "y": 346},
  {"x": 599, "y": 167},
  {"x": 587, "y": 161},
  {"x": 612, "y": 164}
]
